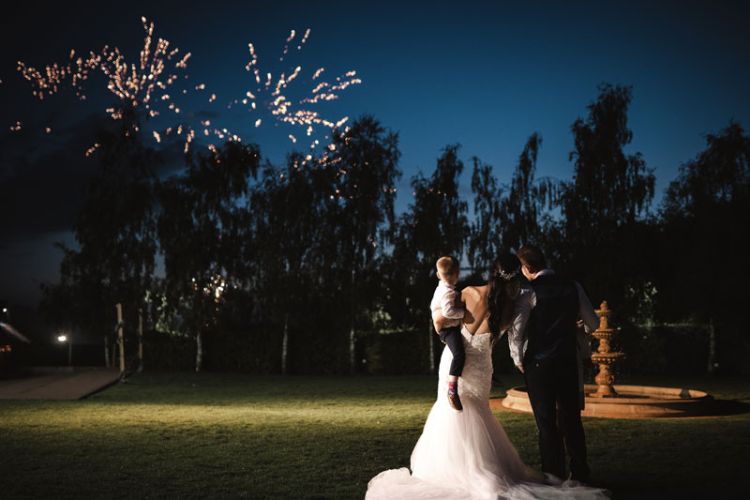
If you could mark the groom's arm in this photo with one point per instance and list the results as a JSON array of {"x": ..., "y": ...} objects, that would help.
[
  {"x": 517, "y": 331},
  {"x": 586, "y": 310}
]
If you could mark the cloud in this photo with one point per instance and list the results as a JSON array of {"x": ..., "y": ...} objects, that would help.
[
  {"x": 43, "y": 183},
  {"x": 204, "y": 114}
]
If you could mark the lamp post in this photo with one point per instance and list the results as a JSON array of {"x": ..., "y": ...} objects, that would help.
[{"x": 67, "y": 339}]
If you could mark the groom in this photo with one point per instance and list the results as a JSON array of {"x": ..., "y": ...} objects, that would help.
[{"x": 543, "y": 345}]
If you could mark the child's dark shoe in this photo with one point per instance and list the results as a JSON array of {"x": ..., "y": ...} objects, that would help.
[{"x": 453, "y": 398}]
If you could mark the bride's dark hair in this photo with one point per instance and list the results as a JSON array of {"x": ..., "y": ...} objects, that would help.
[{"x": 503, "y": 283}]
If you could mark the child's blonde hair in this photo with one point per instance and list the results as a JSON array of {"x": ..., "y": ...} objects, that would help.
[{"x": 447, "y": 265}]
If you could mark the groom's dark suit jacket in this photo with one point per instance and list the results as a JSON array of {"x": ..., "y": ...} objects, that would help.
[
  {"x": 551, "y": 374},
  {"x": 551, "y": 330}
]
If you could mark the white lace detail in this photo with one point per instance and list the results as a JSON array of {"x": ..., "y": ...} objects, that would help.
[{"x": 476, "y": 379}]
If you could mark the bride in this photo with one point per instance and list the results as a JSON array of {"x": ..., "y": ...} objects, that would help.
[{"x": 467, "y": 455}]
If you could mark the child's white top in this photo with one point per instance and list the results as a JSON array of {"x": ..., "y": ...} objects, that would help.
[{"x": 444, "y": 304}]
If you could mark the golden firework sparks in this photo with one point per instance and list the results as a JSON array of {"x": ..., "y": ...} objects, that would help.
[
  {"x": 92, "y": 149},
  {"x": 271, "y": 93},
  {"x": 146, "y": 83},
  {"x": 143, "y": 84}
]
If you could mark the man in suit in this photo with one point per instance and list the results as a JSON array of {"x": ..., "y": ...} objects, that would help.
[{"x": 543, "y": 345}]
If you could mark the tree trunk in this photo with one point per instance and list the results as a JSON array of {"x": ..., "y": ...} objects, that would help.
[
  {"x": 106, "y": 351},
  {"x": 113, "y": 352},
  {"x": 284, "y": 344},
  {"x": 352, "y": 360},
  {"x": 352, "y": 305},
  {"x": 140, "y": 340},
  {"x": 120, "y": 337},
  {"x": 432, "y": 348},
  {"x": 198, "y": 351},
  {"x": 711, "y": 348}
]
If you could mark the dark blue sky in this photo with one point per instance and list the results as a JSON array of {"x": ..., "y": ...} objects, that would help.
[{"x": 483, "y": 74}]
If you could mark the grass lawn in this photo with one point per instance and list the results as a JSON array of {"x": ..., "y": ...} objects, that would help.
[{"x": 229, "y": 436}]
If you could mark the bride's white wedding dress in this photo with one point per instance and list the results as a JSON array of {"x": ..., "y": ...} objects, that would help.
[{"x": 467, "y": 455}]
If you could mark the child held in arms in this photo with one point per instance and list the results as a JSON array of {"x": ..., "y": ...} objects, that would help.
[{"x": 446, "y": 303}]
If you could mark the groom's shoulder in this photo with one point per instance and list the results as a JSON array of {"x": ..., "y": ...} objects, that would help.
[
  {"x": 526, "y": 298},
  {"x": 526, "y": 289}
]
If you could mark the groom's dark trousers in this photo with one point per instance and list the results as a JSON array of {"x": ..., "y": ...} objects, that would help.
[{"x": 551, "y": 376}]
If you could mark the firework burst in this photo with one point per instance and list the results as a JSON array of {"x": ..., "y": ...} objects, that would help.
[
  {"x": 144, "y": 85},
  {"x": 271, "y": 93},
  {"x": 150, "y": 84}
]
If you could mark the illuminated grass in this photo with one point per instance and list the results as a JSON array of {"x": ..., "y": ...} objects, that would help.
[{"x": 228, "y": 436}]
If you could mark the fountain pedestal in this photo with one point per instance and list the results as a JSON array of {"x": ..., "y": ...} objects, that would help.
[
  {"x": 604, "y": 356},
  {"x": 605, "y": 399}
]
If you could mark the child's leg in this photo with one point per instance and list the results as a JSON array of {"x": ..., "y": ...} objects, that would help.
[{"x": 455, "y": 342}]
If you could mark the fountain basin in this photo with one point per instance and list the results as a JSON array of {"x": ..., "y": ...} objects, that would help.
[{"x": 632, "y": 401}]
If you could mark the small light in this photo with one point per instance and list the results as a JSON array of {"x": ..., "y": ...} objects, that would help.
[
  {"x": 5, "y": 310},
  {"x": 62, "y": 338}
]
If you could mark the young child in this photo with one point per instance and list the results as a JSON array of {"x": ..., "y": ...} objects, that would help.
[{"x": 445, "y": 303}]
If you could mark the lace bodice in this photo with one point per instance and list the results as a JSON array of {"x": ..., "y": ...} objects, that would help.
[{"x": 476, "y": 378}]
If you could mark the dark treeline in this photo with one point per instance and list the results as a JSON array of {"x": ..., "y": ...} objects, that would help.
[{"x": 306, "y": 267}]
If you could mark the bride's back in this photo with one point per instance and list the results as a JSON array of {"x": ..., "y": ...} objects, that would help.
[{"x": 475, "y": 298}]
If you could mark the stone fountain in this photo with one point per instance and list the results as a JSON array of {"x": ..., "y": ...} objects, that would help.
[
  {"x": 604, "y": 356},
  {"x": 605, "y": 399}
]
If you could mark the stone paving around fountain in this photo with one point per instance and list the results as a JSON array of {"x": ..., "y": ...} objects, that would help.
[{"x": 633, "y": 401}]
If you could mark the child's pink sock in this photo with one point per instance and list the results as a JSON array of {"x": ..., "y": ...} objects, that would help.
[{"x": 453, "y": 386}]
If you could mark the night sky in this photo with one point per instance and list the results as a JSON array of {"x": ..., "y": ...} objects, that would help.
[{"x": 482, "y": 74}]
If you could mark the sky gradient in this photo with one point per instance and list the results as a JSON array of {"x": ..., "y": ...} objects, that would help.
[{"x": 482, "y": 74}]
